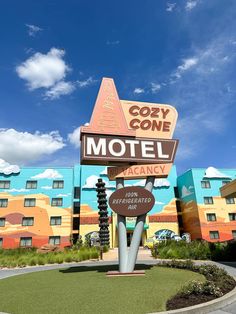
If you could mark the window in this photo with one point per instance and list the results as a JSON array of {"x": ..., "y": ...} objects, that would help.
[
  {"x": 232, "y": 216},
  {"x": 76, "y": 208},
  {"x": 77, "y": 192},
  {"x": 1, "y": 242},
  {"x": 2, "y": 222},
  {"x": 55, "y": 240},
  {"x": 55, "y": 220},
  {"x": 4, "y": 184},
  {"x": 28, "y": 221},
  {"x": 57, "y": 201},
  {"x": 233, "y": 234},
  {"x": 58, "y": 184},
  {"x": 26, "y": 241},
  {"x": 30, "y": 202},
  {"x": 208, "y": 200},
  {"x": 31, "y": 185},
  {"x": 214, "y": 235},
  {"x": 211, "y": 217},
  {"x": 3, "y": 202},
  {"x": 225, "y": 182},
  {"x": 229, "y": 200},
  {"x": 205, "y": 184}
]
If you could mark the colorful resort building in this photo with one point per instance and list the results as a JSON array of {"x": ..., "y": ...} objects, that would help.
[{"x": 57, "y": 205}]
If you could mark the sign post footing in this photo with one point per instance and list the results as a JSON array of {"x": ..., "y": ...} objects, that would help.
[{"x": 126, "y": 274}]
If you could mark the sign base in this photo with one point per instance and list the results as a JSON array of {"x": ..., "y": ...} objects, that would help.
[{"x": 130, "y": 274}]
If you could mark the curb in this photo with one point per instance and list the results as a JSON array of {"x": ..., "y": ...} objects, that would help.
[{"x": 206, "y": 307}]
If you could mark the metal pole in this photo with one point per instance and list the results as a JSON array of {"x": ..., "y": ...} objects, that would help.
[
  {"x": 122, "y": 236},
  {"x": 133, "y": 252}
]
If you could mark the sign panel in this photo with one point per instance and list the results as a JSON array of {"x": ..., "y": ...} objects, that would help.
[
  {"x": 131, "y": 201},
  {"x": 109, "y": 149},
  {"x": 139, "y": 171},
  {"x": 150, "y": 120}
]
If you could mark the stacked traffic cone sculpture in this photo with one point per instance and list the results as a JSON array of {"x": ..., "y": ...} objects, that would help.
[{"x": 103, "y": 213}]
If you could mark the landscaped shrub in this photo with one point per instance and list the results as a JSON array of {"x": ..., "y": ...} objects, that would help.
[
  {"x": 197, "y": 287},
  {"x": 182, "y": 250},
  {"x": 41, "y": 260},
  {"x": 33, "y": 261},
  {"x": 225, "y": 251},
  {"x": 105, "y": 248},
  {"x": 217, "y": 283},
  {"x": 23, "y": 257}
]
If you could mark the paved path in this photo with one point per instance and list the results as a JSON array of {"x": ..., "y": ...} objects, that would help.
[
  {"x": 111, "y": 258},
  {"x": 230, "y": 309}
]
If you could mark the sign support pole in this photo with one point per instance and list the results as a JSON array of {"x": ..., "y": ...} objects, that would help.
[
  {"x": 139, "y": 227},
  {"x": 127, "y": 261},
  {"x": 122, "y": 236}
]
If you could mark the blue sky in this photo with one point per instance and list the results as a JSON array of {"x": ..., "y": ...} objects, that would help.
[{"x": 55, "y": 53}]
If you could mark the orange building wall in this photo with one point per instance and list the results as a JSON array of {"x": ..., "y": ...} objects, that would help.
[{"x": 41, "y": 230}]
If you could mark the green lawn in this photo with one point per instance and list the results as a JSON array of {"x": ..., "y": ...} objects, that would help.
[{"x": 87, "y": 290}]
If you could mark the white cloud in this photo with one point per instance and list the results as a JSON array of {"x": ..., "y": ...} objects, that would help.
[
  {"x": 89, "y": 81},
  {"x": 33, "y": 29},
  {"x": 158, "y": 183},
  {"x": 7, "y": 168},
  {"x": 159, "y": 203},
  {"x": 17, "y": 190},
  {"x": 170, "y": 6},
  {"x": 161, "y": 183},
  {"x": 91, "y": 182},
  {"x": 185, "y": 66},
  {"x": 74, "y": 137},
  {"x": 212, "y": 172},
  {"x": 59, "y": 89},
  {"x": 112, "y": 43},
  {"x": 63, "y": 195},
  {"x": 46, "y": 187},
  {"x": 138, "y": 90},
  {"x": 155, "y": 87},
  {"x": 185, "y": 192},
  {"x": 48, "y": 174},
  {"x": 22, "y": 147},
  {"x": 43, "y": 70},
  {"x": 191, "y": 4}
]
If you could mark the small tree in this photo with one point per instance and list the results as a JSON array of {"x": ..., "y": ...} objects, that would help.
[{"x": 103, "y": 213}]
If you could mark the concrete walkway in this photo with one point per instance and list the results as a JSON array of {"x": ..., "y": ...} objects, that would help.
[
  {"x": 143, "y": 255},
  {"x": 111, "y": 258}
]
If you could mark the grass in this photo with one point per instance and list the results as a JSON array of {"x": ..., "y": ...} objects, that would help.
[
  {"x": 29, "y": 257},
  {"x": 87, "y": 290}
]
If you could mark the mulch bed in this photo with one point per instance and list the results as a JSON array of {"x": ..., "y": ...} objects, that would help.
[{"x": 178, "y": 301}]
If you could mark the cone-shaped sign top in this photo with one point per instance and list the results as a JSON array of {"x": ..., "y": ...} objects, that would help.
[{"x": 108, "y": 116}]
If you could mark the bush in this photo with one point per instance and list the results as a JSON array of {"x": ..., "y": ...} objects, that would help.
[
  {"x": 218, "y": 281},
  {"x": 41, "y": 260},
  {"x": 59, "y": 259},
  {"x": 23, "y": 257},
  {"x": 182, "y": 250},
  {"x": 105, "y": 248},
  {"x": 33, "y": 262},
  {"x": 225, "y": 251},
  {"x": 68, "y": 258},
  {"x": 197, "y": 287}
]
